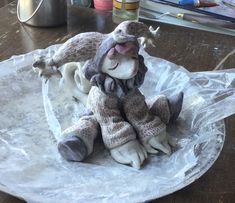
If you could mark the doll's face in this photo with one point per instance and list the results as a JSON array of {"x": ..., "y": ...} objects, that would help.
[{"x": 121, "y": 66}]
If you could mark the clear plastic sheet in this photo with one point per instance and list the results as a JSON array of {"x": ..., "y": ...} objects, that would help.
[{"x": 33, "y": 113}]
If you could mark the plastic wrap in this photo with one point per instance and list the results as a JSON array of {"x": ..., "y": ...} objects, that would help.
[{"x": 33, "y": 113}]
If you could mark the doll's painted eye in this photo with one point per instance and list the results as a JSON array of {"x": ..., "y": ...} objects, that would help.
[{"x": 114, "y": 67}]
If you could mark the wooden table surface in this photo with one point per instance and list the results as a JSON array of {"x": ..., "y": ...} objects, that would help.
[{"x": 193, "y": 49}]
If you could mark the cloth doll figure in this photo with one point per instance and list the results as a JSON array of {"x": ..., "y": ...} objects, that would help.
[{"x": 128, "y": 125}]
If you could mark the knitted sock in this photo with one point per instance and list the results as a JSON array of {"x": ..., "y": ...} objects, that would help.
[
  {"x": 77, "y": 142},
  {"x": 137, "y": 113},
  {"x": 115, "y": 130}
]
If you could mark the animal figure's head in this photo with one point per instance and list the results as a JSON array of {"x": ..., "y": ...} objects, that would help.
[{"x": 45, "y": 67}]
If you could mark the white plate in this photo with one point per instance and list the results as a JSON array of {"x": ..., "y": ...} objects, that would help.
[{"x": 31, "y": 168}]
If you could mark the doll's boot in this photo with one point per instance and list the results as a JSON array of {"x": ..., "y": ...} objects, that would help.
[
  {"x": 72, "y": 148},
  {"x": 77, "y": 142}
]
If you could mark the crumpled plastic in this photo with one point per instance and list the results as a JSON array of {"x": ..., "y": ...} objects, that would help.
[{"x": 33, "y": 113}]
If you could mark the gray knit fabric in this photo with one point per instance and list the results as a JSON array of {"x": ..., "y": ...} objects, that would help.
[
  {"x": 79, "y": 48},
  {"x": 159, "y": 106},
  {"x": 87, "y": 128},
  {"x": 137, "y": 113},
  {"x": 114, "y": 129}
]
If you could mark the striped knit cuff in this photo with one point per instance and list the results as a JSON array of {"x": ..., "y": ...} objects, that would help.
[{"x": 152, "y": 132}]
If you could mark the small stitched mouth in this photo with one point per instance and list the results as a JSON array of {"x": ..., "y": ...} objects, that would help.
[{"x": 113, "y": 68}]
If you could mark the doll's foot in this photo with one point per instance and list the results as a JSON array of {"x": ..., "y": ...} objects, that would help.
[
  {"x": 175, "y": 104},
  {"x": 158, "y": 143},
  {"x": 73, "y": 149},
  {"x": 132, "y": 153}
]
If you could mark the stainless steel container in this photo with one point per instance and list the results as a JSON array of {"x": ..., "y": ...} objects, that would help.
[{"x": 42, "y": 13}]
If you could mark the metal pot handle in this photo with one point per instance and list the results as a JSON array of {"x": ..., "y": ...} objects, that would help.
[{"x": 35, "y": 11}]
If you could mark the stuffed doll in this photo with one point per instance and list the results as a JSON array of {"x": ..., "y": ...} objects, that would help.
[{"x": 106, "y": 80}]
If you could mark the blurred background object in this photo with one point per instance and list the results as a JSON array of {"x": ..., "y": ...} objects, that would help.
[
  {"x": 104, "y": 5},
  {"x": 42, "y": 13},
  {"x": 198, "y": 3},
  {"x": 211, "y": 19},
  {"x": 81, "y": 3},
  {"x": 125, "y": 10}
]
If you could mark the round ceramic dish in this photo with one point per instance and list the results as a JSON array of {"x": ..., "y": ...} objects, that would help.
[{"x": 33, "y": 114}]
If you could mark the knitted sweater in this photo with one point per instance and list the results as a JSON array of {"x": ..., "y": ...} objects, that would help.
[
  {"x": 121, "y": 118},
  {"x": 114, "y": 129}
]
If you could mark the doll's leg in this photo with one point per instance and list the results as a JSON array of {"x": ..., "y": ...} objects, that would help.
[
  {"x": 159, "y": 107},
  {"x": 148, "y": 126},
  {"x": 77, "y": 141},
  {"x": 114, "y": 129},
  {"x": 175, "y": 104},
  {"x": 166, "y": 108}
]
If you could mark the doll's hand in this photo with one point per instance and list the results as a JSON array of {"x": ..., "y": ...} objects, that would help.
[
  {"x": 132, "y": 153},
  {"x": 160, "y": 142}
]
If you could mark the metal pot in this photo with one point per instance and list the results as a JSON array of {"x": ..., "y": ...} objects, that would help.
[{"x": 42, "y": 13}]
